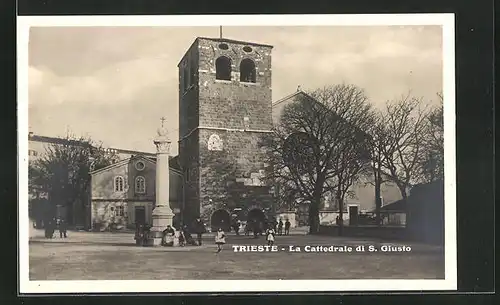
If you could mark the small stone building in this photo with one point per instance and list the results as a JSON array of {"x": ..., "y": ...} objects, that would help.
[{"x": 123, "y": 194}]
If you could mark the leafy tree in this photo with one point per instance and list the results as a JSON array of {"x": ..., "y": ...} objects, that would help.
[
  {"x": 319, "y": 146},
  {"x": 63, "y": 173}
]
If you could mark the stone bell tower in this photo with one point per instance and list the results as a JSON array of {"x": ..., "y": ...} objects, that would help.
[{"x": 225, "y": 108}]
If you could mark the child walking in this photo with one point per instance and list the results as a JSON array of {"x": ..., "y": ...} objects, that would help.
[
  {"x": 220, "y": 239},
  {"x": 270, "y": 236}
]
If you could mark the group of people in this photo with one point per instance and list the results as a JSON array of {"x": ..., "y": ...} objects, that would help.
[
  {"x": 279, "y": 227},
  {"x": 185, "y": 236},
  {"x": 56, "y": 223},
  {"x": 257, "y": 227}
]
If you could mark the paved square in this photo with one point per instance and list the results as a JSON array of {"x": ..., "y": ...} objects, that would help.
[{"x": 114, "y": 256}]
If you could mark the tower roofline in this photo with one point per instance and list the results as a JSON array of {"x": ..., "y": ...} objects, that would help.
[
  {"x": 236, "y": 41},
  {"x": 190, "y": 47},
  {"x": 224, "y": 40}
]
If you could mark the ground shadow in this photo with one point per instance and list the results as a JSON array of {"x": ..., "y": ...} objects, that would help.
[{"x": 87, "y": 243}]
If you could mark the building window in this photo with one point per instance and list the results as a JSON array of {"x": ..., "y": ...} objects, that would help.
[
  {"x": 247, "y": 49},
  {"x": 32, "y": 152},
  {"x": 223, "y": 46},
  {"x": 215, "y": 143},
  {"x": 223, "y": 68},
  {"x": 140, "y": 185},
  {"x": 119, "y": 184},
  {"x": 247, "y": 71},
  {"x": 120, "y": 211},
  {"x": 140, "y": 166}
]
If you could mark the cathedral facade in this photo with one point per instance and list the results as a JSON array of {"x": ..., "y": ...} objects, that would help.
[{"x": 225, "y": 107}]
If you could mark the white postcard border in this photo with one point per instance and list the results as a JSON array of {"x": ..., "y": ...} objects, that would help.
[{"x": 447, "y": 21}]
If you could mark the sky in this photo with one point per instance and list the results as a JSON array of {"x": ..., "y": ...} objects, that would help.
[{"x": 115, "y": 83}]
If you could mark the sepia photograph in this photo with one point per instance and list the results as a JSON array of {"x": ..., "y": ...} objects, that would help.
[{"x": 244, "y": 153}]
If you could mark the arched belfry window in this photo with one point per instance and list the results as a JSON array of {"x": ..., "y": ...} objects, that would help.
[
  {"x": 223, "y": 68},
  {"x": 247, "y": 71}
]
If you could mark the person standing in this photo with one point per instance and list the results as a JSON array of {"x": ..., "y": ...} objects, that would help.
[
  {"x": 220, "y": 239},
  {"x": 182, "y": 238},
  {"x": 51, "y": 224},
  {"x": 199, "y": 229},
  {"x": 236, "y": 226},
  {"x": 256, "y": 229},
  {"x": 62, "y": 228},
  {"x": 287, "y": 227},
  {"x": 270, "y": 236},
  {"x": 280, "y": 227}
]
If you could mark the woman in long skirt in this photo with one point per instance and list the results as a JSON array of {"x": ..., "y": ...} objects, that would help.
[{"x": 220, "y": 239}]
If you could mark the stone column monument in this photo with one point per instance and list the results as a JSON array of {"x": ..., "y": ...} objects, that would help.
[{"x": 162, "y": 214}]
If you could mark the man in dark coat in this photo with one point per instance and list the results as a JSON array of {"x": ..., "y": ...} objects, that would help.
[
  {"x": 50, "y": 228},
  {"x": 199, "y": 228},
  {"x": 280, "y": 227},
  {"x": 287, "y": 227},
  {"x": 62, "y": 228}
]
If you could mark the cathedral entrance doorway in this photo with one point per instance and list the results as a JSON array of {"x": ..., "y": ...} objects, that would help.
[
  {"x": 256, "y": 219},
  {"x": 220, "y": 219}
]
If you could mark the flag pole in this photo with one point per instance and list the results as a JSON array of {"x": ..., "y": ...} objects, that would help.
[{"x": 220, "y": 31}]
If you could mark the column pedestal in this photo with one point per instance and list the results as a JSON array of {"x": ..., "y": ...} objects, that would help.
[{"x": 162, "y": 217}]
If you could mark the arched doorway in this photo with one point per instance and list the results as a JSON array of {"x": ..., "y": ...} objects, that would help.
[
  {"x": 220, "y": 219},
  {"x": 256, "y": 217}
]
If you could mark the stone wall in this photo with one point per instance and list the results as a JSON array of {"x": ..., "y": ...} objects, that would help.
[
  {"x": 232, "y": 177},
  {"x": 189, "y": 159}
]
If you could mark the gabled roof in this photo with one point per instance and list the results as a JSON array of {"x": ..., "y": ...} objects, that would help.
[
  {"x": 55, "y": 140},
  {"x": 396, "y": 206},
  {"x": 122, "y": 162},
  {"x": 65, "y": 141},
  {"x": 292, "y": 96},
  {"x": 300, "y": 93},
  {"x": 137, "y": 157}
]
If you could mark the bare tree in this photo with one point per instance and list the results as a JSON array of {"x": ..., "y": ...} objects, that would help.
[
  {"x": 432, "y": 164},
  {"x": 404, "y": 134},
  {"x": 319, "y": 146},
  {"x": 377, "y": 143}
]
